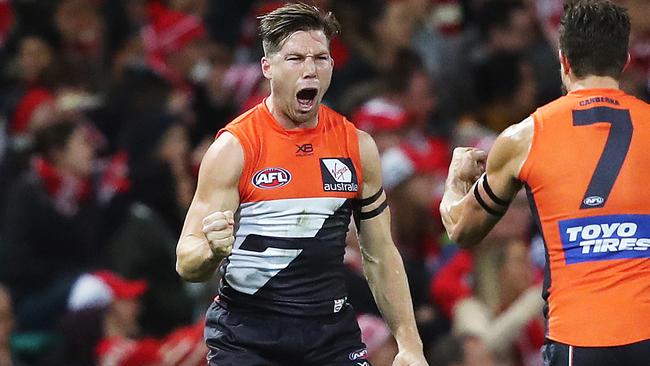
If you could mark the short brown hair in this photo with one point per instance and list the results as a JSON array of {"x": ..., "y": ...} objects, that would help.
[
  {"x": 278, "y": 25},
  {"x": 594, "y": 36}
]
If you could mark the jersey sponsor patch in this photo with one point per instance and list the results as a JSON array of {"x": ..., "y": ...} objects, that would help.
[
  {"x": 338, "y": 175},
  {"x": 600, "y": 238},
  {"x": 271, "y": 178}
]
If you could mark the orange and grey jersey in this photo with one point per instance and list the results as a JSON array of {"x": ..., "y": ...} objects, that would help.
[
  {"x": 586, "y": 175},
  {"x": 297, "y": 192}
]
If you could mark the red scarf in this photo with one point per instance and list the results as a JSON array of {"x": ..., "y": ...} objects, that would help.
[
  {"x": 67, "y": 192},
  {"x": 115, "y": 178}
]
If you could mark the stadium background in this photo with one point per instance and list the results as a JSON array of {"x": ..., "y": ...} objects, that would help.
[{"x": 106, "y": 107}]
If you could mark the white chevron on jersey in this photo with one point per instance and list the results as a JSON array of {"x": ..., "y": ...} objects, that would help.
[
  {"x": 248, "y": 271},
  {"x": 288, "y": 218}
]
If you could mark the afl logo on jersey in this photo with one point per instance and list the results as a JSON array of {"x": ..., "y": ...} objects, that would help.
[
  {"x": 593, "y": 201},
  {"x": 271, "y": 178}
]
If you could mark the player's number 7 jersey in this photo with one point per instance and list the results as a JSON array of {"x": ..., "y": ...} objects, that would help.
[{"x": 587, "y": 176}]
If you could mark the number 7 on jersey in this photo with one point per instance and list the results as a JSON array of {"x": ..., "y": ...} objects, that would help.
[{"x": 614, "y": 153}]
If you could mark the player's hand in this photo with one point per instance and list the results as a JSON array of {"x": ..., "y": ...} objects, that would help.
[
  {"x": 410, "y": 358},
  {"x": 218, "y": 229},
  {"x": 467, "y": 164}
]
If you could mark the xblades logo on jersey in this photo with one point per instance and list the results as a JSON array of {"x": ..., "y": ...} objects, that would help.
[
  {"x": 304, "y": 150},
  {"x": 338, "y": 175}
]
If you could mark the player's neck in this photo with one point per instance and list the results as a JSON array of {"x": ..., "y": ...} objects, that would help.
[
  {"x": 593, "y": 82},
  {"x": 284, "y": 120}
]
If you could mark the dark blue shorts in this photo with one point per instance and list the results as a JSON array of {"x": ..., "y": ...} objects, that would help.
[
  {"x": 236, "y": 338},
  {"x": 560, "y": 354}
]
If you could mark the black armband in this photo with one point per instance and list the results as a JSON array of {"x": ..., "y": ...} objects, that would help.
[
  {"x": 370, "y": 200},
  {"x": 360, "y": 204},
  {"x": 491, "y": 194},
  {"x": 370, "y": 214},
  {"x": 484, "y": 205}
]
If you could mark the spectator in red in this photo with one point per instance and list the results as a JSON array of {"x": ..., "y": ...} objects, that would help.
[
  {"x": 50, "y": 224},
  {"x": 115, "y": 302},
  {"x": 103, "y": 310},
  {"x": 454, "y": 280},
  {"x": 384, "y": 119},
  {"x": 505, "y": 308},
  {"x": 31, "y": 102},
  {"x": 175, "y": 44}
]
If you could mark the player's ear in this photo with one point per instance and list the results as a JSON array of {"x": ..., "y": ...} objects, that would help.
[
  {"x": 564, "y": 61},
  {"x": 627, "y": 63},
  {"x": 266, "y": 67}
]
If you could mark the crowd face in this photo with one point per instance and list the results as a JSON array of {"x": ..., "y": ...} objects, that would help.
[
  {"x": 34, "y": 56},
  {"x": 175, "y": 144},
  {"x": 300, "y": 73},
  {"x": 124, "y": 314},
  {"x": 79, "y": 22},
  {"x": 518, "y": 35},
  {"x": 395, "y": 28},
  {"x": 420, "y": 100},
  {"x": 78, "y": 155}
]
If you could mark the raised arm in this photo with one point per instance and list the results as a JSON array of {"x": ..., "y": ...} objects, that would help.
[
  {"x": 382, "y": 263},
  {"x": 474, "y": 202},
  {"x": 207, "y": 234}
]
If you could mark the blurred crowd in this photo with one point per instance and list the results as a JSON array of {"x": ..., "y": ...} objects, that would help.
[{"x": 106, "y": 109}]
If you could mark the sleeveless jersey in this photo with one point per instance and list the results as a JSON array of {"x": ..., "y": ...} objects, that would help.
[
  {"x": 586, "y": 177},
  {"x": 297, "y": 191}
]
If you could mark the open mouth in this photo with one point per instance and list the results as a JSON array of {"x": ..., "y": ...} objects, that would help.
[{"x": 306, "y": 97}]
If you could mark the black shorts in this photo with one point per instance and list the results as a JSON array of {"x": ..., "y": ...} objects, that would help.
[
  {"x": 246, "y": 338},
  {"x": 559, "y": 354}
]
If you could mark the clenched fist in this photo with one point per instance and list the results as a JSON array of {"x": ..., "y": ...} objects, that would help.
[
  {"x": 218, "y": 228},
  {"x": 467, "y": 164}
]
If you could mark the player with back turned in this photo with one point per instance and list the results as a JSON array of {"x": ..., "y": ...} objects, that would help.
[
  {"x": 275, "y": 196},
  {"x": 583, "y": 160}
]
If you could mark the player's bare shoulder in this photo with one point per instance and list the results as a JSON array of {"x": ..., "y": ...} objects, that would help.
[
  {"x": 521, "y": 133},
  {"x": 223, "y": 162},
  {"x": 512, "y": 146},
  {"x": 369, "y": 154}
]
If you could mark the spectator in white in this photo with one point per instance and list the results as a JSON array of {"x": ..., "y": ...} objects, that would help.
[
  {"x": 505, "y": 310},
  {"x": 108, "y": 289},
  {"x": 102, "y": 317},
  {"x": 117, "y": 345}
]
